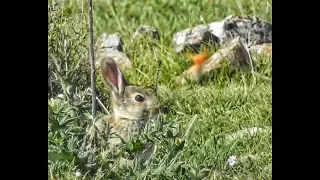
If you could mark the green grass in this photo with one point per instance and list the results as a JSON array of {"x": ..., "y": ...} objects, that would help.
[{"x": 225, "y": 104}]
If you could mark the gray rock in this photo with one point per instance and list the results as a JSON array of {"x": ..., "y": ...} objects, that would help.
[
  {"x": 250, "y": 29},
  {"x": 236, "y": 54},
  {"x": 238, "y": 36},
  {"x": 146, "y": 31},
  {"x": 193, "y": 38},
  {"x": 110, "y": 42},
  {"x": 111, "y": 45},
  {"x": 261, "y": 49}
]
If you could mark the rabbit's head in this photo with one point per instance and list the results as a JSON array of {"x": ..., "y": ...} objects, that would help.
[{"x": 128, "y": 101}]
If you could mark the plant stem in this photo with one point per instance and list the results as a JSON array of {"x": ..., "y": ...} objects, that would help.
[{"x": 91, "y": 56}]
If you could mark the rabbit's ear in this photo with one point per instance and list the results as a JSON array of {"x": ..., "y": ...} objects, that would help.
[{"x": 112, "y": 75}]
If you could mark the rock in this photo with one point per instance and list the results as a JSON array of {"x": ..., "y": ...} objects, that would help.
[
  {"x": 238, "y": 36},
  {"x": 261, "y": 49},
  {"x": 193, "y": 38},
  {"x": 111, "y": 45},
  {"x": 236, "y": 53},
  {"x": 110, "y": 42},
  {"x": 146, "y": 31},
  {"x": 251, "y": 29},
  {"x": 191, "y": 74}
]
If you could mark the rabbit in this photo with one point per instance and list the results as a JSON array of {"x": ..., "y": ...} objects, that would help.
[{"x": 132, "y": 106}]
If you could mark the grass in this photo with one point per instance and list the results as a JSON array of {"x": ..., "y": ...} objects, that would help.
[{"x": 222, "y": 108}]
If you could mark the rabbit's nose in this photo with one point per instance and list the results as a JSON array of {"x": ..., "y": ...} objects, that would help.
[{"x": 163, "y": 109}]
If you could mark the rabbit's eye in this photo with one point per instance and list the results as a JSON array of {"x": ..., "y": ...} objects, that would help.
[{"x": 139, "y": 98}]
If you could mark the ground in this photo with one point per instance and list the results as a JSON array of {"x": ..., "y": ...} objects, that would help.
[{"x": 206, "y": 123}]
